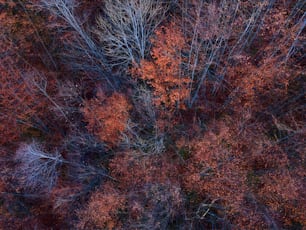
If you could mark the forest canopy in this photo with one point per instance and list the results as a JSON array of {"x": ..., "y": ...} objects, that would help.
[{"x": 152, "y": 114}]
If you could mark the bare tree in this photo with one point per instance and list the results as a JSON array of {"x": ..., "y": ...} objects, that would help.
[
  {"x": 144, "y": 136},
  {"x": 210, "y": 25},
  {"x": 38, "y": 170},
  {"x": 38, "y": 81},
  {"x": 125, "y": 28},
  {"x": 161, "y": 206},
  {"x": 82, "y": 50},
  {"x": 65, "y": 9}
]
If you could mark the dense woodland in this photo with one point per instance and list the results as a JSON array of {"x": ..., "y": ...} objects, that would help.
[{"x": 152, "y": 114}]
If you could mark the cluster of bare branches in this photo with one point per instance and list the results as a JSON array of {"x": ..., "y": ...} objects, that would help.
[
  {"x": 144, "y": 136},
  {"x": 210, "y": 26},
  {"x": 65, "y": 9},
  {"x": 125, "y": 28},
  {"x": 82, "y": 52},
  {"x": 38, "y": 170},
  {"x": 161, "y": 206}
]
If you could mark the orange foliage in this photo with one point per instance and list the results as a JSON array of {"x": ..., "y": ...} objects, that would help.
[
  {"x": 259, "y": 87},
  {"x": 262, "y": 79},
  {"x": 28, "y": 30},
  {"x": 241, "y": 145},
  {"x": 133, "y": 170},
  {"x": 170, "y": 88},
  {"x": 248, "y": 173},
  {"x": 102, "y": 210},
  {"x": 280, "y": 188},
  {"x": 20, "y": 103},
  {"x": 151, "y": 183},
  {"x": 107, "y": 116},
  {"x": 216, "y": 168}
]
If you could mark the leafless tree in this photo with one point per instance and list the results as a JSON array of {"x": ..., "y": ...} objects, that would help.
[
  {"x": 144, "y": 136},
  {"x": 210, "y": 25},
  {"x": 162, "y": 205},
  {"x": 125, "y": 28},
  {"x": 65, "y": 9},
  {"x": 82, "y": 50},
  {"x": 38, "y": 170},
  {"x": 38, "y": 81}
]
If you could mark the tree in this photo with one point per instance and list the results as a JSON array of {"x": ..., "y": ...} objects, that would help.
[
  {"x": 103, "y": 209},
  {"x": 79, "y": 43},
  {"x": 65, "y": 9},
  {"x": 125, "y": 27},
  {"x": 216, "y": 31},
  {"x": 37, "y": 170},
  {"x": 170, "y": 87},
  {"x": 107, "y": 116},
  {"x": 155, "y": 206},
  {"x": 20, "y": 43},
  {"x": 21, "y": 106}
]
